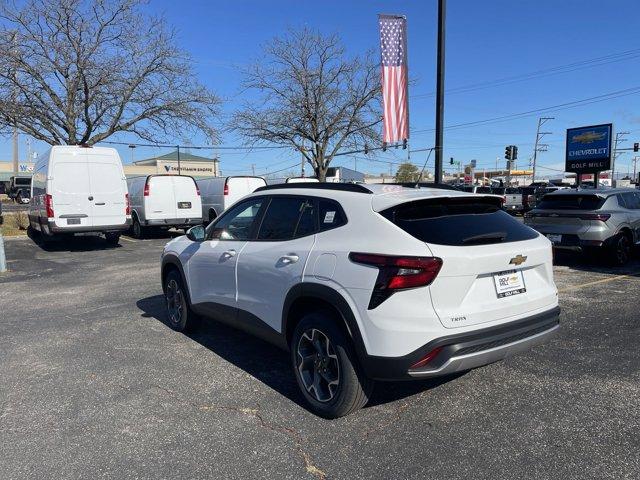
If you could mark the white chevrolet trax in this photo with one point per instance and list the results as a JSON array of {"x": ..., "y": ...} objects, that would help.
[{"x": 367, "y": 282}]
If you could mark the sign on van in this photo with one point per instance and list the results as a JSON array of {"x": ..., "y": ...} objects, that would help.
[{"x": 589, "y": 148}]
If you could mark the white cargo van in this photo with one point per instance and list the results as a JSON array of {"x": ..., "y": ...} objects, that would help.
[
  {"x": 79, "y": 189},
  {"x": 221, "y": 192},
  {"x": 163, "y": 201},
  {"x": 301, "y": 180}
]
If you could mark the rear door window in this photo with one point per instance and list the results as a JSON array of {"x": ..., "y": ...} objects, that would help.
[
  {"x": 570, "y": 202},
  {"x": 458, "y": 221},
  {"x": 331, "y": 215},
  {"x": 287, "y": 218}
]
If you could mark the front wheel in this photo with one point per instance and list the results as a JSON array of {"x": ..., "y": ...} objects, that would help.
[{"x": 326, "y": 367}]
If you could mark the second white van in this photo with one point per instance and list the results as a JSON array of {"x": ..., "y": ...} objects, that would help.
[
  {"x": 163, "y": 201},
  {"x": 220, "y": 192},
  {"x": 78, "y": 189}
]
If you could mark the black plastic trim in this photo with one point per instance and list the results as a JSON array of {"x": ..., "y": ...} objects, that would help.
[{"x": 343, "y": 187}]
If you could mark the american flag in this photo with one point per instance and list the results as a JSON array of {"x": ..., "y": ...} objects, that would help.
[{"x": 393, "y": 46}]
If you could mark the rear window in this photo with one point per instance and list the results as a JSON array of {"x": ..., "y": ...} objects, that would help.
[
  {"x": 22, "y": 182},
  {"x": 570, "y": 202},
  {"x": 458, "y": 221},
  {"x": 512, "y": 191}
]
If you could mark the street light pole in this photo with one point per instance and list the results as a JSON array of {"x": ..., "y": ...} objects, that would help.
[{"x": 442, "y": 13}]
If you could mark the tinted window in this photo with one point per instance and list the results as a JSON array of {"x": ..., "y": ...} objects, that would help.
[
  {"x": 513, "y": 191},
  {"x": 458, "y": 221},
  {"x": 237, "y": 223},
  {"x": 286, "y": 218},
  {"x": 331, "y": 215},
  {"x": 632, "y": 200},
  {"x": 570, "y": 202}
]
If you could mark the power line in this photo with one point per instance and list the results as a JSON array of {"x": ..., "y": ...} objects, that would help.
[
  {"x": 195, "y": 147},
  {"x": 570, "y": 67},
  {"x": 560, "y": 106}
]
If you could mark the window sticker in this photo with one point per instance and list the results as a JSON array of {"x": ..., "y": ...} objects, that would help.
[{"x": 329, "y": 216}]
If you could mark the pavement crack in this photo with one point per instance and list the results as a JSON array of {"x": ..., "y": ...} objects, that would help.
[
  {"x": 256, "y": 414},
  {"x": 395, "y": 418}
]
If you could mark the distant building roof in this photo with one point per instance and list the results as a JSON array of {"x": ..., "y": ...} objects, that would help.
[{"x": 173, "y": 156}]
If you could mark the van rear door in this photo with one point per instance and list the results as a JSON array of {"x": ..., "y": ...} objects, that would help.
[
  {"x": 70, "y": 190},
  {"x": 108, "y": 189},
  {"x": 161, "y": 201},
  {"x": 239, "y": 187},
  {"x": 187, "y": 200}
]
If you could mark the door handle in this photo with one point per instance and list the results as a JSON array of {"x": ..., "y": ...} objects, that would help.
[
  {"x": 230, "y": 253},
  {"x": 291, "y": 258},
  {"x": 101, "y": 203},
  {"x": 90, "y": 198}
]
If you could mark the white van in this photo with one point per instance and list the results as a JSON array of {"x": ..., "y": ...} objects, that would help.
[
  {"x": 79, "y": 189},
  {"x": 221, "y": 192},
  {"x": 301, "y": 180},
  {"x": 163, "y": 201}
]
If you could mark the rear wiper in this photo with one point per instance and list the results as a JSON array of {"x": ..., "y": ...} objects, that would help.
[{"x": 486, "y": 237}]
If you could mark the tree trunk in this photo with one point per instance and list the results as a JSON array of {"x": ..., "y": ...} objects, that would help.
[{"x": 321, "y": 173}]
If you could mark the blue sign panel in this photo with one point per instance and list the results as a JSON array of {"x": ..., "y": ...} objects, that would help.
[{"x": 589, "y": 148}]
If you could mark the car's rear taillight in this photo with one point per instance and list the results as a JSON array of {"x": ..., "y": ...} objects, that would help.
[
  {"x": 127, "y": 204},
  {"x": 397, "y": 273},
  {"x": 48, "y": 205},
  {"x": 146, "y": 188},
  {"x": 226, "y": 189},
  {"x": 603, "y": 217}
]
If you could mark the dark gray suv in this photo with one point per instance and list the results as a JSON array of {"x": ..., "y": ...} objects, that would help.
[{"x": 602, "y": 220}]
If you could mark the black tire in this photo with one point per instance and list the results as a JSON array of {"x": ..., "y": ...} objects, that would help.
[
  {"x": 342, "y": 387},
  {"x": 113, "y": 239},
  {"x": 620, "y": 250},
  {"x": 19, "y": 199},
  {"x": 137, "y": 230},
  {"x": 180, "y": 317},
  {"x": 212, "y": 215}
]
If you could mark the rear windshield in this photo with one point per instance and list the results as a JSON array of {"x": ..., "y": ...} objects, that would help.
[
  {"x": 570, "y": 202},
  {"x": 458, "y": 221},
  {"x": 22, "y": 182}
]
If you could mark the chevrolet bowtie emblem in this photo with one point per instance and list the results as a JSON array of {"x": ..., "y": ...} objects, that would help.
[{"x": 517, "y": 260}]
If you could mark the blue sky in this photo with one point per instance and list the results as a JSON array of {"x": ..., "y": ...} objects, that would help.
[{"x": 486, "y": 41}]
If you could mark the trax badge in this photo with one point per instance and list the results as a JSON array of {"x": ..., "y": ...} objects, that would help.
[{"x": 517, "y": 260}]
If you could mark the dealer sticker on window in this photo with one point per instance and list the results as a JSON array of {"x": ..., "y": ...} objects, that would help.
[
  {"x": 509, "y": 283},
  {"x": 329, "y": 216}
]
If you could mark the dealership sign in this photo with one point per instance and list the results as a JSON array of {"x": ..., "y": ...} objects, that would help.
[{"x": 589, "y": 148}]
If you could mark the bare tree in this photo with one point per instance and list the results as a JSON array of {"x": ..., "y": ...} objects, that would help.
[
  {"x": 311, "y": 96},
  {"x": 78, "y": 71}
]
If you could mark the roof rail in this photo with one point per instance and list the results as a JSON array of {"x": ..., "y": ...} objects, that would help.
[
  {"x": 441, "y": 186},
  {"x": 343, "y": 187}
]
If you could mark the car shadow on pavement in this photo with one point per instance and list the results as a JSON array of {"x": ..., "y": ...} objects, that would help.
[
  {"x": 74, "y": 243},
  {"x": 597, "y": 264},
  {"x": 268, "y": 363}
]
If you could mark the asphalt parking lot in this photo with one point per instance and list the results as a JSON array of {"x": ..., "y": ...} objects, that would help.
[{"x": 93, "y": 384}]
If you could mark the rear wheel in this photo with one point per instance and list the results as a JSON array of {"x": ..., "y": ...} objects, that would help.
[
  {"x": 620, "y": 249},
  {"x": 326, "y": 367},
  {"x": 179, "y": 313},
  {"x": 136, "y": 228}
]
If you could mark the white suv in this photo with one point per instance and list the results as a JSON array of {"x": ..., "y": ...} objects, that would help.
[{"x": 364, "y": 283}]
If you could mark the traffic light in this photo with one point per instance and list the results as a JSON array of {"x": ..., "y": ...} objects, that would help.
[
  {"x": 451, "y": 161},
  {"x": 507, "y": 152},
  {"x": 404, "y": 144},
  {"x": 636, "y": 147},
  {"x": 514, "y": 152}
]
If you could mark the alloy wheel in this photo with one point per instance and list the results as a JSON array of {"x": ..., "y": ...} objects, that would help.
[
  {"x": 318, "y": 365},
  {"x": 175, "y": 302}
]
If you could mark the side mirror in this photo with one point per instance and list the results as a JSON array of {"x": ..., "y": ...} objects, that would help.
[{"x": 196, "y": 234}]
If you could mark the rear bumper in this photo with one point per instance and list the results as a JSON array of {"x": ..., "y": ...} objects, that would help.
[
  {"x": 54, "y": 228},
  {"x": 173, "y": 222},
  {"x": 464, "y": 351}
]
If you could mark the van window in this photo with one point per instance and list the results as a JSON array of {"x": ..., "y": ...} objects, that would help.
[
  {"x": 458, "y": 221},
  {"x": 570, "y": 202}
]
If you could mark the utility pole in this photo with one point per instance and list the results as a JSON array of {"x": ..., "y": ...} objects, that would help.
[
  {"x": 253, "y": 169},
  {"x": 301, "y": 164},
  {"x": 442, "y": 14},
  {"x": 635, "y": 174},
  {"x": 178, "y": 148},
  {"x": 539, "y": 147},
  {"x": 619, "y": 139}
]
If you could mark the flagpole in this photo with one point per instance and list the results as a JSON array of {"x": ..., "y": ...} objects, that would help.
[{"x": 442, "y": 7}]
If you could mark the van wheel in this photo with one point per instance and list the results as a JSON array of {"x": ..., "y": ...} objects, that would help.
[
  {"x": 112, "y": 239},
  {"x": 136, "y": 229},
  {"x": 326, "y": 367},
  {"x": 179, "y": 314},
  {"x": 620, "y": 250}
]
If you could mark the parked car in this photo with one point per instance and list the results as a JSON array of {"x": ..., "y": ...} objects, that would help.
[
  {"x": 163, "y": 202},
  {"x": 19, "y": 189},
  {"x": 221, "y": 192},
  {"x": 528, "y": 197},
  {"x": 290, "y": 263},
  {"x": 606, "y": 221},
  {"x": 301, "y": 180},
  {"x": 79, "y": 189}
]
